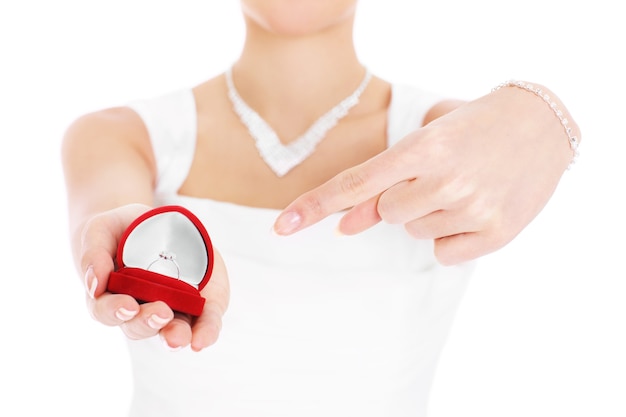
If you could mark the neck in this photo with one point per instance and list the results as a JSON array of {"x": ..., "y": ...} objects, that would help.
[{"x": 305, "y": 74}]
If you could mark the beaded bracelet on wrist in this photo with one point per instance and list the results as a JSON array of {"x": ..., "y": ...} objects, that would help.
[{"x": 572, "y": 139}]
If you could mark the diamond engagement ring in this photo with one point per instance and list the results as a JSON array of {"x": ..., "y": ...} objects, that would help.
[{"x": 165, "y": 256}]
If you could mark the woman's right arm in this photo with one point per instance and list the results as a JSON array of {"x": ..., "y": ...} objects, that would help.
[
  {"x": 108, "y": 163},
  {"x": 110, "y": 174}
]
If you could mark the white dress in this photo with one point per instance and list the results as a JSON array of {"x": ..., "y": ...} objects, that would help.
[{"x": 318, "y": 325}]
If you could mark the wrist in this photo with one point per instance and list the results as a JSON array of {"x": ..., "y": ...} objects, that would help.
[{"x": 552, "y": 102}]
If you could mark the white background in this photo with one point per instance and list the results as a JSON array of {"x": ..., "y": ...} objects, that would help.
[{"x": 541, "y": 331}]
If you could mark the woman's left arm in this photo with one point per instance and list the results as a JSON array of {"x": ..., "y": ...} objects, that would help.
[{"x": 471, "y": 179}]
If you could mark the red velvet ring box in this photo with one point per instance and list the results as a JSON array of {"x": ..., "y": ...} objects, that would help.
[{"x": 165, "y": 254}]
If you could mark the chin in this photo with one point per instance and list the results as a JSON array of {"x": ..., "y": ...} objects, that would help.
[{"x": 298, "y": 17}]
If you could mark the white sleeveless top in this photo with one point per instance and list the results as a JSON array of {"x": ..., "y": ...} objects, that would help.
[{"x": 318, "y": 325}]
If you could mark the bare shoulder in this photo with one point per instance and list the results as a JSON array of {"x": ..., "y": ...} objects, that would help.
[
  {"x": 441, "y": 108},
  {"x": 117, "y": 128},
  {"x": 107, "y": 160},
  {"x": 116, "y": 132}
]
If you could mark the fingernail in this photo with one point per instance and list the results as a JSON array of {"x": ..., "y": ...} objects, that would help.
[
  {"x": 157, "y": 322},
  {"x": 91, "y": 282},
  {"x": 287, "y": 223},
  {"x": 167, "y": 345},
  {"x": 124, "y": 314}
]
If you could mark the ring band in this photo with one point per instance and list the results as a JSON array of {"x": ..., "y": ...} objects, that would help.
[{"x": 168, "y": 257}]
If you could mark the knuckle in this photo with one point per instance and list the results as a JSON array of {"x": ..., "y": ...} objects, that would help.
[
  {"x": 413, "y": 230},
  {"x": 480, "y": 212},
  {"x": 456, "y": 191},
  {"x": 447, "y": 257},
  {"x": 388, "y": 209},
  {"x": 99, "y": 311},
  {"x": 419, "y": 229},
  {"x": 89, "y": 236},
  {"x": 90, "y": 304},
  {"x": 90, "y": 228},
  {"x": 352, "y": 182},
  {"x": 487, "y": 216},
  {"x": 130, "y": 332},
  {"x": 313, "y": 204},
  {"x": 453, "y": 251},
  {"x": 398, "y": 204},
  {"x": 498, "y": 235},
  {"x": 434, "y": 146}
]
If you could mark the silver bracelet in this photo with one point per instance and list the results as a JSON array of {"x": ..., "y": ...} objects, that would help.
[{"x": 573, "y": 140}]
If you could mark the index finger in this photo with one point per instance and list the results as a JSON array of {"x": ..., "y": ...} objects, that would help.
[{"x": 347, "y": 189}]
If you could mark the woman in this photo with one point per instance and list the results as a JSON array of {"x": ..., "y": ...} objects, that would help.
[{"x": 317, "y": 324}]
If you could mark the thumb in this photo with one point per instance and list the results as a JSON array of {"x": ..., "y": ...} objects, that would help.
[{"x": 98, "y": 245}]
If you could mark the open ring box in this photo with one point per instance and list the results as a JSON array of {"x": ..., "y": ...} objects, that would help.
[{"x": 165, "y": 254}]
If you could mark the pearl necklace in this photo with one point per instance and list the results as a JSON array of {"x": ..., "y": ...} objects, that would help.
[{"x": 282, "y": 158}]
